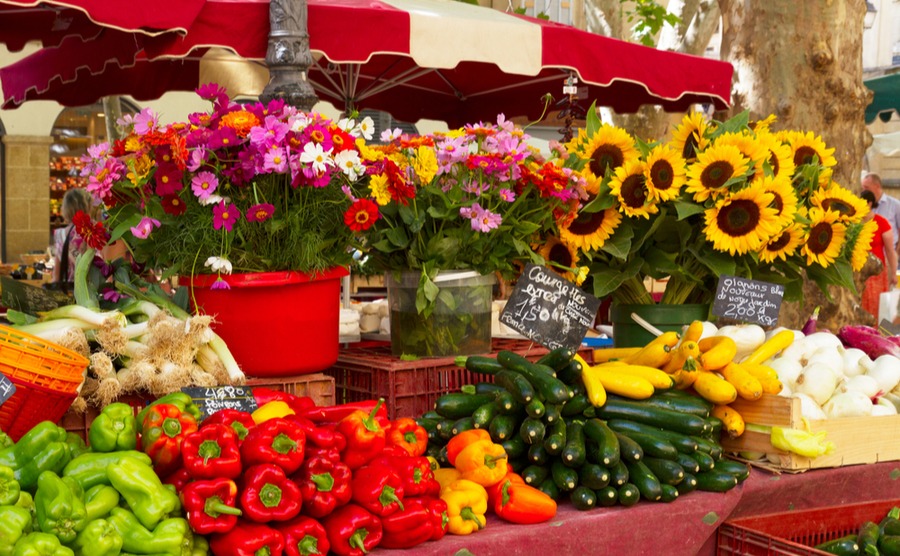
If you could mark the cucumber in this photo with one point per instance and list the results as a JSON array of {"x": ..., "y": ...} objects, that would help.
[
  {"x": 607, "y": 496},
  {"x": 629, "y": 450},
  {"x": 667, "y": 471},
  {"x": 535, "y": 474},
  {"x": 688, "y": 484},
  {"x": 867, "y": 538},
  {"x": 555, "y": 437},
  {"x": 844, "y": 546},
  {"x": 553, "y": 412},
  {"x": 538, "y": 455},
  {"x": 506, "y": 403},
  {"x": 669, "y": 493},
  {"x": 574, "y": 453},
  {"x": 543, "y": 378},
  {"x": 715, "y": 481},
  {"x": 618, "y": 474},
  {"x": 548, "y": 487},
  {"x": 503, "y": 427},
  {"x": 464, "y": 424},
  {"x": 663, "y": 418},
  {"x": 682, "y": 442},
  {"x": 457, "y": 405},
  {"x": 608, "y": 450},
  {"x": 688, "y": 463},
  {"x": 532, "y": 430},
  {"x": 515, "y": 384},
  {"x": 482, "y": 416},
  {"x": 566, "y": 478},
  {"x": 535, "y": 408},
  {"x": 583, "y": 498},
  {"x": 576, "y": 405},
  {"x": 571, "y": 373},
  {"x": 740, "y": 470},
  {"x": 514, "y": 447},
  {"x": 593, "y": 476},
  {"x": 889, "y": 525},
  {"x": 557, "y": 358},
  {"x": 482, "y": 364},
  {"x": 653, "y": 445},
  {"x": 645, "y": 480},
  {"x": 628, "y": 494}
]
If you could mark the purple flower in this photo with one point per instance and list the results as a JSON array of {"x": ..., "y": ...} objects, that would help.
[
  {"x": 260, "y": 212},
  {"x": 275, "y": 160},
  {"x": 204, "y": 184},
  {"x": 196, "y": 160},
  {"x": 220, "y": 284},
  {"x": 484, "y": 220},
  {"x": 225, "y": 216},
  {"x": 272, "y": 131},
  {"x": 110, "y": 294},
  {"x": 223, "y": 137},
  {"x": 508, "y": 195},
  {"x": 145, "y": 121},
  {"x": 144, "y": 227},
  {"x": 210, "y": 91}
]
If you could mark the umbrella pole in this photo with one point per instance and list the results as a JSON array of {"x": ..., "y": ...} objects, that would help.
[{"x": 288, "y": 56}]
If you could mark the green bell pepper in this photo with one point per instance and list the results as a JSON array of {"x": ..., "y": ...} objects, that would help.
[
  {"x": 15, "y": 522},
  {"x": 99, "y": 500},
  {"x": 9, "y": 486},
  {"x": 98, "y": 538},
  {"x": 53, "y": 457},
  {"x": 114, "y": 429},
  {"x": 142, "y": 489},
  {"x": 179, "y": 399},
  {"x": 170, "y": 536},
  {"x": 41, "y": 544},
  {"x": 76, "y": 445},
  {"x": 25, "y": 501},
  {"x": 5, "y": 440},
  {"x": 59, "y": 507},
  {"x": 32, "y": 443},
  {"x": 201, "y": 546},
  {"x": 89, "y": 469}
]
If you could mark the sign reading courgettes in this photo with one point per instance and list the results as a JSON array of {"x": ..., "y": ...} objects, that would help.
[
  {"x": 7, "y": 388},
  {"x": 213, "y": 399},
  {"x": 547, "y": 308},
  {"x": 748, "y": 300}
]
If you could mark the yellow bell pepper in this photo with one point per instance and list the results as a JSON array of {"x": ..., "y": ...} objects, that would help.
[
  {"x": 271, "y": 410},
  {"x": 482, "y": 462},
  {"x": 446, "y": 475},
  {"x": 466, "y": 506}
]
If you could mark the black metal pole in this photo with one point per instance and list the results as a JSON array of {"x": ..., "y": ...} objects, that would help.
[{"x": 288, "y": 56}]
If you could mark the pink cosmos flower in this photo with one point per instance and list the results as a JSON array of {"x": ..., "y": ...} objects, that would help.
[
  {"x": 225, "y": 216},
  {"x": 145, "y": 121},
  {"x": 144, "y": 227},
  {"x": 271, "y": 132},
  {"x": 260, "y": 212},
  {"x": 204, "y": 184},
  {"x": 508, "y": 195},
  {"x": 220, "y": 284},
  {"x": 275, "y": 160},
  {"x": 484, "y": 220}
]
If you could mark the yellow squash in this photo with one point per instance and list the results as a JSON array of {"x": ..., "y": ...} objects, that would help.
[
  {"x": 626, "y": 385},
  {"x": 714, "y": 388},
  {"x": 609, "y": 354},
  {"x": 656, "y": 377},
  {"x": 747, "y": 385},
  {"x": 716, "y": 352},
  {"x": 771, "y": 347},
  {"x": 732, "y": 422},
  {"x": 680, "y": 355}
]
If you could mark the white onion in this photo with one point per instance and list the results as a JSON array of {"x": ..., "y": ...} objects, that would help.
[
  {"x": 747, "y": 337},
  {"x": 848, "y": 404},
  {"x": 864, "y": 384},
  {"x": 884, "y": 407},
  {"x": 818, "y": 382},
  {"x": 831, "y": 356},
  {"x": 709, "y": 329},
  {"x": 886, "y": 371},
  {"x": 823, "y": 339},
  {"x": 809, "y": 408},
  {"x": 856, "y": 362},
  {"x": 788, "y": 370},
  {"x": 798, "y": 351}
]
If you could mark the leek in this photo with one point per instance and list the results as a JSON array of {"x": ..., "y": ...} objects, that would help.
[
  {"x": 54, "y": 328},
  {"x": 83, "y": 294},
  {"x": 94, "y": 317}
]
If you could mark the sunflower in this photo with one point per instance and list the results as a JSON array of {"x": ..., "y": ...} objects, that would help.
[
  {"x": 749, "y": 146},
  {"x": 825, "y": 237},
  {"x": 630, "y": 186},
  {"x": 607, "y": 149},
  {"x": 782, "y": 245},
  {"x": 714, "y": 167},
  {"x": 780, "y": 157},
  {"x": 851, "y": 208},
  {"x": 563, "y": 256},
  {"x": 784, "y": 197},
  {"x": 689, "y": 137},
  {"x": 590, "y": 230},
  {"x": 808, "y": 146},
  {"x": 863, "y": 245},
  {"x": 664, "y": 173},
  {"x": 742, "y": 222},
  {"x": 762, "y": 126}
]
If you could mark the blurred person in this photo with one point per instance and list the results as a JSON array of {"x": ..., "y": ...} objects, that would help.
[
  {"x": 886, "y": 206},
  {"x": 887, "y": 278},
  {"x": 67, "y": 244}
]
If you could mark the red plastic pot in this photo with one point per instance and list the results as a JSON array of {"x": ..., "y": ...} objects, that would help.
[{"x": 275, "y": 323}]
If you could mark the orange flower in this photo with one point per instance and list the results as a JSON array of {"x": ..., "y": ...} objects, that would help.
[
  {"x": 241, "y": 121},
  {"x": 361, "y": 215}
]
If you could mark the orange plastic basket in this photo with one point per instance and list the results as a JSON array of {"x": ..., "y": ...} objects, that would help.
[{"x": 46, "y": 375}]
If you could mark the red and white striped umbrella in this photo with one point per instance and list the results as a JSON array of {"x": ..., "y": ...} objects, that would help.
[{"x": 415, "y": 59}]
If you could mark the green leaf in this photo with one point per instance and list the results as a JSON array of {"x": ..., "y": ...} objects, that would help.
[
  {"x": 598, "y": 203},
  {"x": 687, "y": 209},
  {"x": 125, "y": 226},
  {"x": 397, "y": 237},
  {"x": 592, "y": 123}
]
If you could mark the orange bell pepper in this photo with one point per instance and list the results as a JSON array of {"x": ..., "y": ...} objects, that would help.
[
  {"x": 519, "y": 502},
  {"x": 482, "y": 462},
  {"x": 463, "y": 439},
  {"x": 494, "y": 491},
  {"x": 409, "y": 435}
]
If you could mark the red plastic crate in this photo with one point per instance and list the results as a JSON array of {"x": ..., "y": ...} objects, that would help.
[
  {"x": 410, "y": 388},
  {"x": 795, "y": 533}
]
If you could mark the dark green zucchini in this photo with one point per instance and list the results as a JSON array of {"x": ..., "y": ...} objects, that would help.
[
  {"x": 618, "y": 474},
  {"x": 583, "y": 498},
  {"x": 518, "y": 464},
  {"x": 679, "y": 400},
  {"x": 708, "y": 446},
  {"x": 715, "y": 430},
  {"x": 535, "y": 408},
  {"x": 464, "y": 424},
  {"x": 629, "y": 450},
  {"x": 557, "y": 358},
  {"x": 608, "y": 496},
  {"x": 555, "y": 437},
  {"x": 515, "y": 447},
  {"x": 669, "y": 493},
  {"x": 688, "y": 484},
  {"x": 516, "y": 384},
  {"x": 571, "y": 373},
  {"x": 844, "y": 546},
  {"x": 457, "y": 405},
  {"x": 444, "y": 428},
  {"x": 532, "y": 430},
  {"x": 483, "y": 416},
  {"x": 535, "y": 474},
  {"x": 543, "y": 378},
  {"x": 503, "y": 427},
  {"x": 433, "y": 415},
  {"x": 488, "y": 388},
  {"x": 889, "y": 545},
  {"x": 427, "y": 424},
  {"x": 867, "y": 538},
  {"x": 688, "y": 463},
  {"x": 484, "y": 365},
  {"x": 715, "y": 481},
  {"x": 704, "y": 461},
  {"x": 667, "y": 471},
  {"x": 593, "y": 476},
  {"x": 740, "y": 470},
  {"x": 566, "y": 478},
  {"x": 653, "y": 446},
  {"x": 507, "y": 403},
  {"x": 552, "y": 412},
  {"x": 548, "y": 487},
  {"x": 663, "y": 418},
  {"x": 574, "y": 452},
  {"x": 682, "y": 442},
  {"x": 607, "y": 443},
  {"x": 628, "y": 494},
  {"x": 645, "y": 480},
  {"x": 576, "y": 405},
  {"x": 538, "y": 455}
]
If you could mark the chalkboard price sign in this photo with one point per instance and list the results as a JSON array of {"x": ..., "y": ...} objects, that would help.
[
  {"x": 7, "y": 388},
  {"x": 549, "y": 309},
  {"x": 213, "y": 399},
  {"x": 748, "y": 300}
]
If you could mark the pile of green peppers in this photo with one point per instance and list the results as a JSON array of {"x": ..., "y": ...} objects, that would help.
[{"x": 60, "y": 498}]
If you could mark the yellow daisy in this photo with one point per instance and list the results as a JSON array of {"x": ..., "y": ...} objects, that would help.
[
  {"x": 378, "y": 185},
  {"x": 589, "y": 231},
  {"x": 784, "y": 198},
  {"x": 664, "y": 173},
  {"x": 689, "y": 137},
  {"x": 851, "y": 208},
  {"x": 782, "y": 245},
  {"x": 742, "y": 222},
  {"x": 825, "y": 237},
  {"x": 425, "y": 164},
  {"x": 714, "y": 167},
  {"x": 863, "y": 245},
  {"x": 563, "y": 256},
  {"x": 630, "y": 186}
]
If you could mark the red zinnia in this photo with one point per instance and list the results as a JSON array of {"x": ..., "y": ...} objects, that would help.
[
  {"x": 361, "y": 215},
  {"x": 173, "y": 205},
  {"x": 93, "y": 233}
]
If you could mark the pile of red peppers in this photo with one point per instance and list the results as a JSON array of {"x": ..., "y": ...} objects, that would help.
[{"x": 310, "y": 480}]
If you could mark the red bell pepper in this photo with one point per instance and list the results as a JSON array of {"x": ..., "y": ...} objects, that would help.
[
  {"x": 421, "y": 520},
  {"x": 212, "y": 452},
  {"x": 352, "y": 531},
  {"x": 365, "y": 437},
  {"x": 179, "y": 479},
  {"x": 324, "y": 485},
  {"x": 318, "y": 436},
  {"x": 240, "y": 421},
  {"x": 268, "y": 494},
  {"x": 304, "y": 536},
  {"x": 409, "y": 435},
  {"x": 416, "y": 473},
  {"x": 277, "y": 441},
  {"x": 297, "y": 404},
  {"x": 209, "y": 505},
  {"x": 248, "y": 539},
  {"x": 163, "y": 428},
  {"x": 378, "y": 489},
  {"x": 335, "y": 413}
]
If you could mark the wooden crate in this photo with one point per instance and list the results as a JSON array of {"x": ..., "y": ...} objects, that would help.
[{"x": 857, "y": 440}]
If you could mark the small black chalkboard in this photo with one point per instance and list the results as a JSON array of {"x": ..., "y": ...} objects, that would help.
[
  {"x": 748, "y": 300},
  {"x": 7, "y": 388},
  {"x": 213, "y": 399},
  {"x": 887, "y": 327},
  {"x": 17, "y": 295},
  {"x": 549, "y": 309}
]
